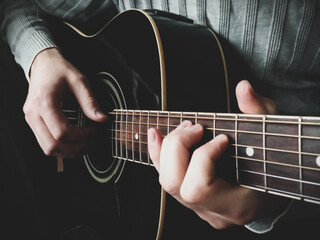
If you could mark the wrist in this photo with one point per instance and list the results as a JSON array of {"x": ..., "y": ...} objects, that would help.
[{"x": 42, "y": 57}]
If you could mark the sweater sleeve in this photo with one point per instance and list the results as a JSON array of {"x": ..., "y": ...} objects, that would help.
[{"x": 24, "y": 29}]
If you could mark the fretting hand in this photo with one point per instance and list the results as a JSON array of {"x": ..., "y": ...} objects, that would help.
[{"x": 192, "y": 180}]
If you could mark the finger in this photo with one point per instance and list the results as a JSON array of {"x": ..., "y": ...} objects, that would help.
[
  {"x": 58, "y": 124},
  {"x": 154, "y": 146},
  {"x": 197, "y": 184},
  {"x": 251, "y": 102},
  {"x": 80, "y": 87},
  {"x": 175, "y": 155},
  {"x": 41, "y": 132},
  {"x": 53, "y": 147}
]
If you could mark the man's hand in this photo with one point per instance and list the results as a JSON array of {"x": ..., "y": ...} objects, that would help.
[
  {"x": 192, "y": 180},
  {"x": 52, "y": 79}
]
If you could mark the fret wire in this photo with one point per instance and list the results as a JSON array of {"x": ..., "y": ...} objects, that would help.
[
  {"x": 132, "y": 134},
  {"x": 196, "y": 118},
  {"x": 148, "y": 126},
  {"x": 140, "y": 139},
  {"x": 300, "y": 159},
  {"x": 214, "y": 126},
  {"x": 168, "y": 125},
  {"x": 79, "y": 118},
  {"x": 251, "y": 132},
  {"x": 127, "y": 156},
  {"x": 264, "y": 152},
  {"x": 252, "y": 120},
  {"x": 115, "y": 135},
  {"x": 236, "y": 147},
  {"x": 121, "y": 150}
]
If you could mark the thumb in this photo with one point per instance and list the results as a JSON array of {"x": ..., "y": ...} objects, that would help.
[
  {"x": 251, "y": 102},
  {"x": 90, "y": 106}
]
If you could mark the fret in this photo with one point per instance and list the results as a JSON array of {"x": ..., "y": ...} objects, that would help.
[
  {"x": 214, "y": 125},
  {"x": 175, "y": 118},
  {"x": 225, "y": 124},
  {"x": 136, "y": 136},
  {"x": 120, "y": 137},
  {"x": 144, "y": 137},
  {"x": 132, "y": 138},
  {"x": 148, "y": 126},
  {"x": 250, "y": 147},
  {"x": 114, "y": 136},
  {"x": 264, "y": 152},
  {"x": 299, "y": 152},
  {"x": 168, "y": 124},
  {"x": 163, "y": 122},
  {"x": 126, "y": 136},
  {"x": 205, "y": 119},
  {"x": 139, "y": 138},
  {"x": 158, "y": 120},
  {"x": 236, "y": 148}
]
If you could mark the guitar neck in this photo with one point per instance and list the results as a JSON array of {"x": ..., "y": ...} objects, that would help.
[{"x": 276, "y": 154}]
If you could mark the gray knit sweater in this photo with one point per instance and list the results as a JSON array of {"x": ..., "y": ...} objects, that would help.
[{"x": 277, "y": 42}]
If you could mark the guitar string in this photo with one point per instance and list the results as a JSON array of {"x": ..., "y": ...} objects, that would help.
[
  {"x": 224, "y": 130},
  {"x": 248, "y": 159},
  {"x": 229, "y": 130},
  {"x": 235, "y": 145},
  {"x": 225, "y": 117},
  {"x": 251, "y": 159},
  {"x": 211, "y": 116},
  {"x": 233, "y": 131}
]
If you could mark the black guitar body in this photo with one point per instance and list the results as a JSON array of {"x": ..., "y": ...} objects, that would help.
[{"x": 145, "y": 61}]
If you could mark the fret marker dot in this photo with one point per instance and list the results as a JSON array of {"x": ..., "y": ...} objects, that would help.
[
  {"x": 318, "y": 161},
  {"x": 136, "y": 136},
  {"x": 249, "y": 151}
]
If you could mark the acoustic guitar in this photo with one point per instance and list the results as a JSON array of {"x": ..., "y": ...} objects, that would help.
[{"x": 154, "y": 69}]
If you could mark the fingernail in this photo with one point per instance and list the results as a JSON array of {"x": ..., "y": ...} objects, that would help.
[
  {"x": 100, "y": 114},
  {"x": 151, "y": 136},
  {"x": 184, "y": 124},
  {"x": 221, "y": 137},
  {"x": 195, "y": 127}
]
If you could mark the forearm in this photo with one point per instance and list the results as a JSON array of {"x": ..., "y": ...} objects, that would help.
[{"x": 24, "y": 29}]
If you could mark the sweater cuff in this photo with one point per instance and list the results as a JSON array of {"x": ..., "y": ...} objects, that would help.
[
  {"x": 35, "y": 43},
  {"x": 266, "y": 224}
]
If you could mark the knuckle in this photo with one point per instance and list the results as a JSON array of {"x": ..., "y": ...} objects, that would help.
[
  {"x": 50, "y": 149},
  {"x": 171, "y": 187},
  {"x": 172, "y": 140},
  {"x": 60, "y": 132},
  {"x": 192, "y": 195},
  {"x": 77, "y": 77}
]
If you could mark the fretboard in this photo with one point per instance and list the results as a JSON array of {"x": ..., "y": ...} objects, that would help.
[{"x": 276, "y": 154}]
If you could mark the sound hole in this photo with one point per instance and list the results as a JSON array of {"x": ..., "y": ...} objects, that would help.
[{"x": 100, "y": 163}]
